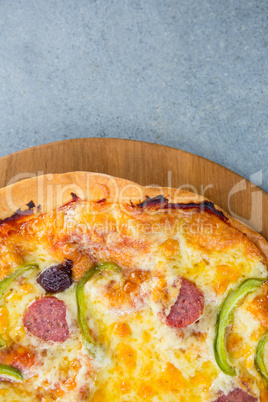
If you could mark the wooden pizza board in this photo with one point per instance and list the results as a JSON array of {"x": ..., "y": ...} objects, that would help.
[{"x": 146, "y": 164}]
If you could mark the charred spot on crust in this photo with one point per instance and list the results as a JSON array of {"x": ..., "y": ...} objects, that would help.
[
  {"x": 19, "y": 213},
  {"x": 31, "y": 205},
  {"x": 162, "y": 202},
  {"x": 159, "y": 200},
  {"x": 102, "y": 200},
  {"x": 206, "y": 206},
  {"x": 75, "y": 198}
]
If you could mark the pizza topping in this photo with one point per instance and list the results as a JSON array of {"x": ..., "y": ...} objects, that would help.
[
  {"x": 237, "y": 395},
  {"x": 18, "y": 356},
  {"x": 122, "y": 329},
  {"x": 225, "y": 317},
  {"x": 15, "y": 360},
  {"x": 10, "y": 371},
  {"x": 188, "y": 307},
  {"x": 259, "y": 306},
  {"x": 46, "y": 319},
  {"x": 124, "y": 294},
  {"x": 2, "y": 343},
  {"x": 57, "y": 278},
  {"x": 81, "y": 304},
  {"x": 5, "y": 283},
  {"x": 259, "y": 357}
]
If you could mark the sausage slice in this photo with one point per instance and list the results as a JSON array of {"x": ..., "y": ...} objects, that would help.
[
  {"x": 46, "y": 319},
  {"x": 237, "y": 395},
  {"x": 188, "y": 307}
]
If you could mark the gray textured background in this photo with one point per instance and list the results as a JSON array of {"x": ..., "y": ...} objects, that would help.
[{"x": 186, "y": 73}]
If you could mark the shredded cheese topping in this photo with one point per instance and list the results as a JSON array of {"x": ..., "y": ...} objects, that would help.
[{"x": 139, "y": 357}]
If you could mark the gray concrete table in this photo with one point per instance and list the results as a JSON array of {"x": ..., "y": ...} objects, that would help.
[{"x": 187, "y": 73}]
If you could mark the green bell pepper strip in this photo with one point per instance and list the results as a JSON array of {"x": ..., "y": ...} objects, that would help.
[
  {"x": 11, "y": 371},
  {"x": 2, "y": 343},
  {"x": 224, "y": 318},
  {"x": 259, "y": 357},
  {"x": 80, "y": 298},
  {"x": 5, "y": 283}
]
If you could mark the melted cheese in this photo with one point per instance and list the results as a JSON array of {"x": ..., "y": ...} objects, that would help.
[{"x": 138, "y": 357}]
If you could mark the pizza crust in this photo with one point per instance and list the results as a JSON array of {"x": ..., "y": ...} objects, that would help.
[{"x": 51, "y": 191}]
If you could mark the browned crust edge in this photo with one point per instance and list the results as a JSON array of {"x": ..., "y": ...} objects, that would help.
[{"x": 53, "y": 190}]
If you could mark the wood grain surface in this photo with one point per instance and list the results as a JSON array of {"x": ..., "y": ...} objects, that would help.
[{"x": 146, "y": 164}]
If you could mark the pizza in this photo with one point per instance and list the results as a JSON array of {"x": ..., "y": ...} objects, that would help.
[{"x": 110, "y": 291}]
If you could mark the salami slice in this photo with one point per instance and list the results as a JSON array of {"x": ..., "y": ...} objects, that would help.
[
  {"x": 46, "y": 319},
  {"x": 188, "y": 307},
  {"x": 237, "y": 395}
]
